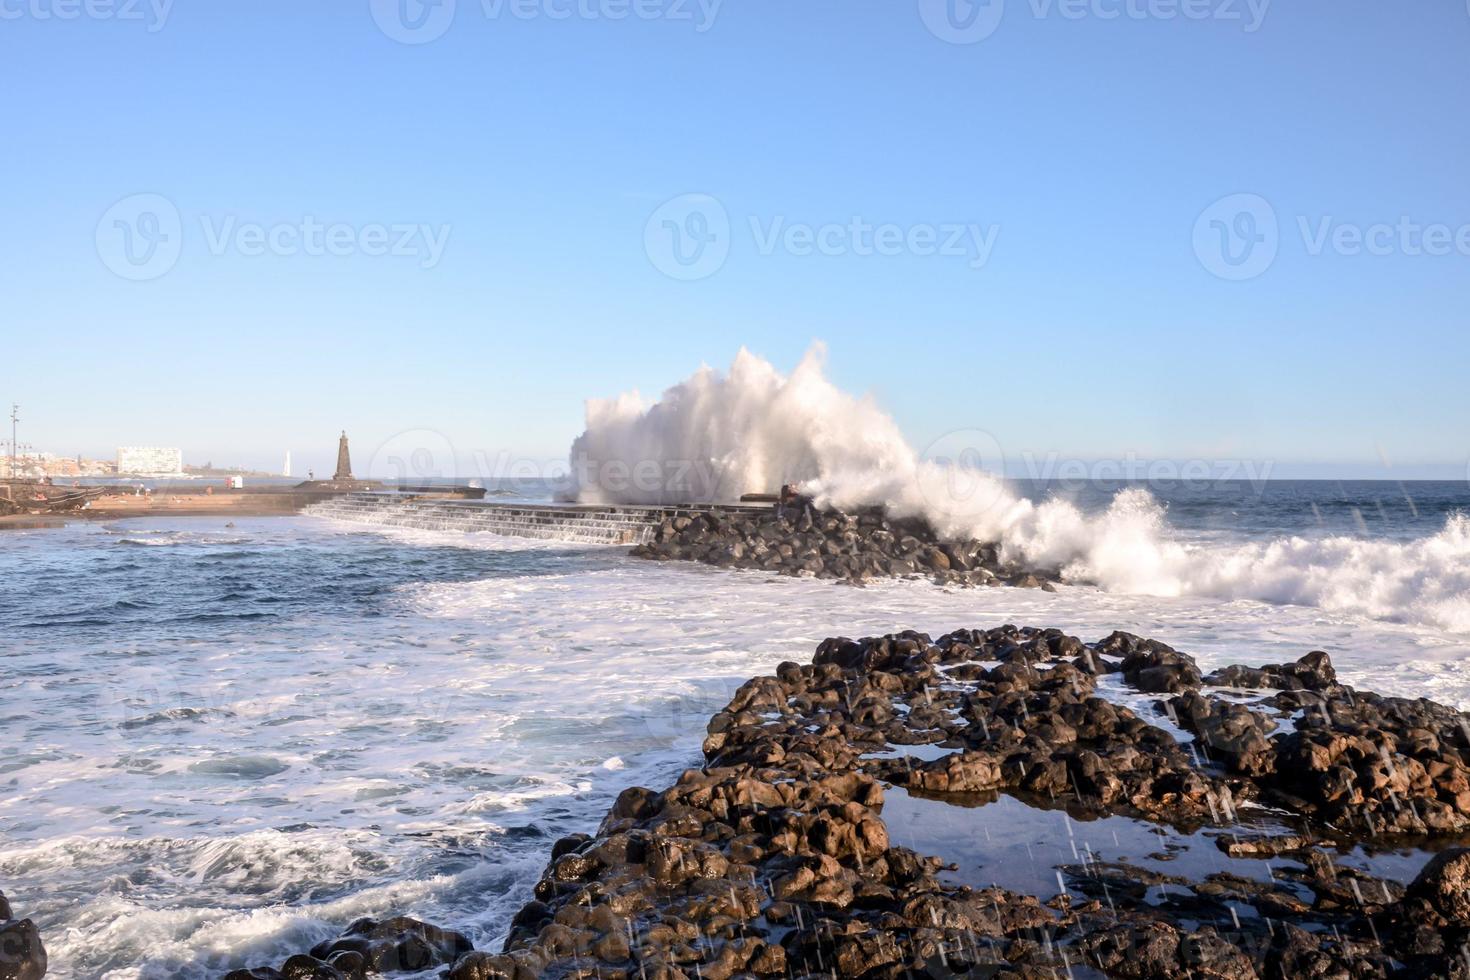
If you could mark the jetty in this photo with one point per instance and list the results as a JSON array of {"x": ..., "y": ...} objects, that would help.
[
  {"x": 579, "y": 523},
  {"x": 44, "y": 505}
]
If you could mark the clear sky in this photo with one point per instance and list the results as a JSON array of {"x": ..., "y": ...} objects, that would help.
[{"x": 1093, "y": 300}]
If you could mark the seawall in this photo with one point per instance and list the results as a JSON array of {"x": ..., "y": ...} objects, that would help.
[
  {"x": 25, "y": 504},
  {"x": 584, "y": 524}
]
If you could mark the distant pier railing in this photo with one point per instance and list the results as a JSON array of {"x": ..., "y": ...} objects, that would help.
[{"x": 579, "y": 523}]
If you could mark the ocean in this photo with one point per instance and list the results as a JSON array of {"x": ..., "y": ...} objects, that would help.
[{"x": 225, "y": 741}]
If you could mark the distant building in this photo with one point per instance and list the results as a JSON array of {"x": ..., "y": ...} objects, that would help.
[
  {"x": 149, "y": 461},
  {"x": 34, "y": 466}
]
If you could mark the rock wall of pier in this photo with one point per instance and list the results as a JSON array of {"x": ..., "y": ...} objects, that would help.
[
  {"x": 549, "y": 522},
  {"x": 851, "y": 547}
]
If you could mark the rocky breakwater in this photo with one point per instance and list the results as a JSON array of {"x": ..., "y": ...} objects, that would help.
[
  {"x": 1113, "y": 811},
  {"x": 849, "y": 547}
]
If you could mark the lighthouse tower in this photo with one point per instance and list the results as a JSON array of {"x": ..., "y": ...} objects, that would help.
[{"x": 344, "y": 460}]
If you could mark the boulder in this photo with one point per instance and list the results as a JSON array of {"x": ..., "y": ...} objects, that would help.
[
  {"x": 1444, "y": 883},
  {"x": 22, "y": 955}
]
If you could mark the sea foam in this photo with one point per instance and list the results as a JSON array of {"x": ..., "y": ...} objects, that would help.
[{"x": 716, "y": 436}]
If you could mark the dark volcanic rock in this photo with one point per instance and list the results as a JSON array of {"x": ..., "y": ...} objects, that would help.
[
  {"x": 370, "y": 947},
  {"x": 1231, "y": 732},
  {"x": 750, "y": 870},
  {"x": 1314, "y": 672},
  {"x": 775, "y": 858},
  {"x": 1369, "y": 764},
  {"x": 1150, "y": 665},
  {"x": 399, "y": 944},
  {"x": 1444, "y": 885},
  {"x": 22, "y": 956},
  {"x": 1357, "y": 761},
  {"x": 801, "y": 540},
  {"x": 1159, "y": 950}
]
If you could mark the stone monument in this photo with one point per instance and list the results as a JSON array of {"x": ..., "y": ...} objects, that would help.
[
  {"x": 344, "y": 460},
  {"x": 342, "y": 481}
]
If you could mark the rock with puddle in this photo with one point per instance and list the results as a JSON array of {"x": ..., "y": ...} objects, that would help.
[{"x": 986, "y": 805}]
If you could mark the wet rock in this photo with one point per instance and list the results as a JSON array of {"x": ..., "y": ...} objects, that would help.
[
  {"x": 22, "y": 954},
  {"x": 1313, "y": 672},
  {"x": 1159, "y": 950},
  {"x": 775, "y": 859},
  {"x": 1228, "y": 731},
  {"x": 1369, "y": 764},
  {"x": 398, "y": 944},
  {"x": 801, "y": 540},
  {"x": 965, "y": 772},
  {"x": 1257, "y": 847},
  {"x": 1297, "y": 953},
  {"x": 1152, "y": 666},
  {"x": 370, "y": 947},
  {"x": 1444, "y": 885}
]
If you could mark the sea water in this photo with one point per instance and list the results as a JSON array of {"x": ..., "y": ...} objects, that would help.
[{"x": 224, "y": 741}]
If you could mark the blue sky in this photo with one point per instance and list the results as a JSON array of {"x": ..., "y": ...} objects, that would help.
[{"x": 1085, "y": 139}]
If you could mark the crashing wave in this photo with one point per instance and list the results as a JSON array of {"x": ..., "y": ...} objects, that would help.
[{"x": 714, "y": 437}]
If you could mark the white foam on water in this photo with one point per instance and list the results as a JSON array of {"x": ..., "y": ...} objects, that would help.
[
  {"x": 481, "y": 540},
  {"x": 428, "y": 743},
  {"x": 754, "y": 429},
  {"x": 519, "y": 800},
  {"x": 199, "y": 943}
]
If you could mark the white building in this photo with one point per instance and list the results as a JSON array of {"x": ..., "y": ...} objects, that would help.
[{"x": 149, "y": 461}]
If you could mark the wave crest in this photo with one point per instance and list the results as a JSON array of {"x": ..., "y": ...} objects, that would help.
[{"x": 715, "y": 437}]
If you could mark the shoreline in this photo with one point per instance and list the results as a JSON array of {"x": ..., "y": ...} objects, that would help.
[
  {"x": 60, "y": 520},
  {"x": 193, "y": 502},
  {"x": 1263, "y": 821}
]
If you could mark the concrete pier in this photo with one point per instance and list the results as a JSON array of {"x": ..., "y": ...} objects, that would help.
[{"x": 583, "y": 524}]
